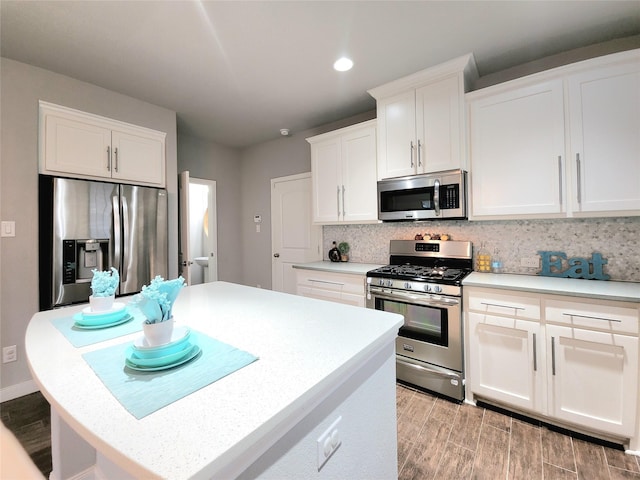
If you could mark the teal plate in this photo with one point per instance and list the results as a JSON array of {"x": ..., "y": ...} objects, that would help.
[
  {"x": 159, "y": 361},
  {"x": 112, "y": 318},
  {"x": 125, "y": 319},
  {"x": 177, "y": 344},
  {"x": 193, "y": 353}
]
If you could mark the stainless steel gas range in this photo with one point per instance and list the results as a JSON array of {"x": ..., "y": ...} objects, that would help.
[{"x": 423, "y": 282}]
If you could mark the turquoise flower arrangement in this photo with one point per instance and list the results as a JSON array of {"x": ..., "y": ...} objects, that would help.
[
  {"x": 104, "y": 284},
  {"x": 155, "y": 301}
]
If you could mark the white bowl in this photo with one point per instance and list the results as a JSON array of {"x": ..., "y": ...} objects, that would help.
[{"x": 101, "y": 304}]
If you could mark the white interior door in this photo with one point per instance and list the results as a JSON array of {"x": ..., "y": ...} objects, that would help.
[
  {"x": 184, "y": 257},
  {"x": 294, "y": 239}
]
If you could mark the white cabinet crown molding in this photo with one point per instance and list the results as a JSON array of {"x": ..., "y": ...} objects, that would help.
[
  {"x": 555, "y": 73},
  {"x": 46, "y": 108},
  {"x": 341, "y": 131},
  {"x": 465, "y": 64}
]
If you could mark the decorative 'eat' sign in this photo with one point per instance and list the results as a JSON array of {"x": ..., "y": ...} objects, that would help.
[{"x": 552, "y": 266}]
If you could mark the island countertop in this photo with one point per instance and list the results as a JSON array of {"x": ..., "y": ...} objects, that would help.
[
  {"x": 338, "y": 267},
  {"x": 305, "y": 348}
]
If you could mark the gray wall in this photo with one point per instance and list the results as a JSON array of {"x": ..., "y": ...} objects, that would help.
[
  {"x": 21, "y": 88},
  {"x": 209, "y": 161},
  {"x": 278, "y": 158}
]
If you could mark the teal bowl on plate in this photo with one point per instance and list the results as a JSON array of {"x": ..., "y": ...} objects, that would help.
[
  {"x": 160, "y": 361},
  {"x": 181, "y": 336}
]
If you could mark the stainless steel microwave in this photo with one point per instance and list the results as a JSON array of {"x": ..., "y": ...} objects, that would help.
[{"x": 429, "y": 196}]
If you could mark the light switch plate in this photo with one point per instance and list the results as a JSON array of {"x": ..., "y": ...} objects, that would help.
[{"x": 8, "y": 229}]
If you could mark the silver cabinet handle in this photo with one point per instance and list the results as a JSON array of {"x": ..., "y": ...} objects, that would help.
[
  {"x": 326, "y": 282},
  {"x": 108, "y": 158},
  {"x": 560, "y": 177},
  {"x": 338, "y": 200},
  {"x": 501, "y": 306},
  {"x": 344, "y": 207},
  {"x": 535, "y": 354},
  {"x": 276, "y": 255},
  {"x": 579, "y": 175},
  {"x": 436, "y": 196},
  {"x": 553, "y": 355},
  {"x": 419, "y": 156},
  {"x": 593, "y": 318},
  {"x": 411, "y": 153},
  {"x": 115, "y": 152}
]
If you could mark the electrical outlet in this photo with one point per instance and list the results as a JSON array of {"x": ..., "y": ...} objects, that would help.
[
  {"x": 9, "y": 354},
  {"x": 530, "y": 262},
  {"x": 328, "y": 443}
]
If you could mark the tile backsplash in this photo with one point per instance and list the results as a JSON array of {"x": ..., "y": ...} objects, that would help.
[{"x": 617, "y": 239}]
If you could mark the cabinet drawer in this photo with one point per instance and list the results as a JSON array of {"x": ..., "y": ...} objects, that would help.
[
  {"x": 337, "y": 282},
  {"x": 598, "y": 315},
  {"x": 520, "y": 305}
]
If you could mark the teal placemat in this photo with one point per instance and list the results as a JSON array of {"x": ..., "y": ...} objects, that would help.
[
  {"x": 80, "y": 337},
  {"x": 142, "y": 393}
]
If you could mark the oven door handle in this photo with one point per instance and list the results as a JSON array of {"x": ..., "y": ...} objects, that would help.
[
  {"x": 419, "y": 299},
  {"x": 432, "y": 370}
]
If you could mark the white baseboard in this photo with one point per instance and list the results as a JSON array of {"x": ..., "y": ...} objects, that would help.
[{"x": 18, "y": 390}]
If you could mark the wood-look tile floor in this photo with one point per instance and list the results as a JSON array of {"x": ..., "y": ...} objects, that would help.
[{"x": 439, "y": 439}]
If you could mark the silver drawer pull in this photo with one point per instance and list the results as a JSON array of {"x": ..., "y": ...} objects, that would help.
[
  {"x": 501, "y": 306},
  {"x": 593, "y": 318},
  {"x": 325, "y": 281},
  {"x": 535, "y": 354}
]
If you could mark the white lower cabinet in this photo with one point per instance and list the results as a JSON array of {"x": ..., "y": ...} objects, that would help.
[
  {"x": 334, "y": 287},
  {"x": 577, "y": 363},
  {"x": 504, "y": 360},
  {"x": 593, "y": 379}
]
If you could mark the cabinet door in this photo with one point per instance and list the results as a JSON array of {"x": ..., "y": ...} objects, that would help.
[
  {"x": 517, "y": 148},
  {"x": 605, "y": 139},
  {"x": 76, "y": 147},
  {"x": 438, "y": 126},
  {"x": 359, "y": 194},
  {"x": 397, "y": 135},
  {"x": 137, "y": 158},
  {"x": 504, "y": 360},
  {"x": 593, "y": 378},
  {"x": 327, "y": 181}
]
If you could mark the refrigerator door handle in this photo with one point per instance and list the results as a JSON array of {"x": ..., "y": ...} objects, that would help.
[
  {"x": 125, "y": 239},
  {"x": 117, "y": 240}
]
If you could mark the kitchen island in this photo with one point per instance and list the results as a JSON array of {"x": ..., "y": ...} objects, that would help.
[{"x": 318, "y": 363}]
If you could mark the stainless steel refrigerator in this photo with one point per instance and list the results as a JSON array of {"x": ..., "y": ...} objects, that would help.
[{"x": 86, "y": 225}]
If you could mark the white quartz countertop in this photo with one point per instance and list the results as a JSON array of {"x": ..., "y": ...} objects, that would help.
[
  {"x": 306, "y": 348},
  {"x": 622, "y": 291},
  {"x": 339, "y": 267}
]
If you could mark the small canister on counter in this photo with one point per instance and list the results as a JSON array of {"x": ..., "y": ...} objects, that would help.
[{"x": 483, "y": 260}]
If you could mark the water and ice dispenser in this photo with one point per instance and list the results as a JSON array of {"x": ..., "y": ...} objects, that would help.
[{"x": 80, "y": 257}]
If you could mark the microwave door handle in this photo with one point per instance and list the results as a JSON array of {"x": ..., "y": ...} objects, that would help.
[{"x": 436, "y": 196}]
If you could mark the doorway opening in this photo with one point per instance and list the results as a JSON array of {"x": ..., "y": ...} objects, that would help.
[{"x": 199, "y": 234}]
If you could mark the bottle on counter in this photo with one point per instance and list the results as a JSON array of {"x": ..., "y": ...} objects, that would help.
[
  {"x": 496, "y": 262},
  {"x": 483, "y": 260}
]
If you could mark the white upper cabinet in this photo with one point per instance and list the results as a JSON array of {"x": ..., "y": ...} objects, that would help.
[
  {"x": 343, "y": 171},
  {"x": 517, "y": 151},
  {"x": 561, "y": 143},
  {"x": 79, "y": 144},
  {"x": 604, "y": 112},
  {"x": 421, "y": 119}
]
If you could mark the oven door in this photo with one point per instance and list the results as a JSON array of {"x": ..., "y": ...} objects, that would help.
[{"x": 432, "y": 330}]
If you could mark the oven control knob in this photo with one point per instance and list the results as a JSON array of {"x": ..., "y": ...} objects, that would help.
[
  {"x": 381, "y": 282},
  {"x": 437, "y": 288},
  {"x": 407, "y": 285},
  {"x": 389, "y": 283},
  {"x": 427, "y": 288}
]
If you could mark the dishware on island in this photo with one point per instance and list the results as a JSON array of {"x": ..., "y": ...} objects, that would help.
[
  {"x": 158, "y": 333},
  {"x": 101, "y": 304},
  {"x": 89, "y": 319}
]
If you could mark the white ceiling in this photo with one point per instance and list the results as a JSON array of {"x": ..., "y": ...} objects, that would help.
[{"x": 236, "y": 72}]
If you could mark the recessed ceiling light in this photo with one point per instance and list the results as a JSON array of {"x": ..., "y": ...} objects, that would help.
[{"x": 343, "y": 64}]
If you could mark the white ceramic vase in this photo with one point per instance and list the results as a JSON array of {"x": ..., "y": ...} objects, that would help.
[
  {"x": 158, "y": 333},
  {"x": 101, "y": 304}
]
